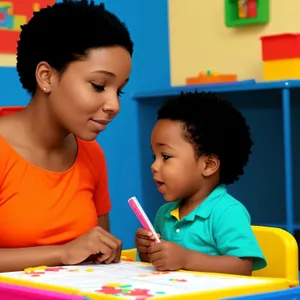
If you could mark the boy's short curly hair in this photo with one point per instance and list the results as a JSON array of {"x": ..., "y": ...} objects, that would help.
[
  {"x": 213, "y": 126},
  {"x": 65, "y": 32}
]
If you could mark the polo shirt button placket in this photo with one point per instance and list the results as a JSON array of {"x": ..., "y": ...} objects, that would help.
[{"x": 177, "y": 232}]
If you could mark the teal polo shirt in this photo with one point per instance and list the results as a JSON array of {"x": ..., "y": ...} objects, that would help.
[{"x": 220, "y": 225}]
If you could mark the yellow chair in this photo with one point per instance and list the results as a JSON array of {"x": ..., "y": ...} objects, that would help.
[
  {"x": 279, "y": 247},
  {"x": 281, "y": 251}
]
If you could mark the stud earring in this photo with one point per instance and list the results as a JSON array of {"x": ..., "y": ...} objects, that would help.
[{"x": 44, "y": 89}]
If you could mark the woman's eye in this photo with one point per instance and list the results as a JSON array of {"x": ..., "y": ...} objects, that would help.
[
  {"x": 97, "y": 87},
  {"x": 120, "y": 92}
]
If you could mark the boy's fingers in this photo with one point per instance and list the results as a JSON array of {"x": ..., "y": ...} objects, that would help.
[
  {"x": 144, "y": 232},
  {"x": 144, "y": 242}
]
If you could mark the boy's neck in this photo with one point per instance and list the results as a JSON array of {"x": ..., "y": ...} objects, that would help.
[{"x": 188, "y": 205}]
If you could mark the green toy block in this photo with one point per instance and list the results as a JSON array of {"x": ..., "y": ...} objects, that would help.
[{"x": 232, "y": 18}]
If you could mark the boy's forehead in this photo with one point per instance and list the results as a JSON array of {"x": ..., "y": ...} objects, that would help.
[{"x": 167, "y": 132}]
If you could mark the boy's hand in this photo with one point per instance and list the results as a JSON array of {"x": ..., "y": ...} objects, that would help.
[
  {"x": 167, "y": 256},
  {"x": 143, "y": 240}
]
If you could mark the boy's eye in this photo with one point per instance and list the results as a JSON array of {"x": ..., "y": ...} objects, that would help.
[
  {"x": 165, "y": 156},
  {"x": 97, "y": 87}
]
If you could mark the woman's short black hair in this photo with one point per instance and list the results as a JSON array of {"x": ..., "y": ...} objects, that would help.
[
  {"x": 213, "y": 126},
  {"x": 65, "y": 32}
]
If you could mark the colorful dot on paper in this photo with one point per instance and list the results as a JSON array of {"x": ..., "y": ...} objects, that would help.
[
  {"x": 177, "y": 280},
  {"x": 34, "y": 269},
  {"x": 41, "y": 268},
  {"x": 36, "y": 274},
  {"x": 109, "y": 290},
  {"x": 139, "y": 292},
  {"x": 160, "y": 273},
  {"x": 160, "y": 293},
  {"x": 73, "y": 270},
  {"x": 54, "y": 269},
  {"x": 126, "y": 286},
  {"x": 89, "y": 270},
  {"x": 114, "y": 284}
]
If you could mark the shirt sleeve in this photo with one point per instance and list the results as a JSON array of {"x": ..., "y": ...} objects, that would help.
[
  {"x": 234, "y": 236},
  {"x": 158, "y": 220},
  {"x": 101, "y": 196}
]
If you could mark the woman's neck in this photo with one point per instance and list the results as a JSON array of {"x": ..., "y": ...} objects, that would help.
[{"x": 42, "y": 127}]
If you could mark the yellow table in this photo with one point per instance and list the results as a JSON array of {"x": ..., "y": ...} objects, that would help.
[{"x": 133, "y": 280}]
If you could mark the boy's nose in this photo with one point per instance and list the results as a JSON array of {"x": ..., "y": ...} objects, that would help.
[{"x": 154, "y": 167}]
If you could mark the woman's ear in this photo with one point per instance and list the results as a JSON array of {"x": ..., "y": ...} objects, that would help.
[
  {"x": 43, "y": 75},
  {"x": 211, "y": 165}
]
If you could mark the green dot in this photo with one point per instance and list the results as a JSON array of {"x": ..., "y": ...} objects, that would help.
[
  {"x": 209, "y": 72},
  {"x": 125, "y": 286},
  {"x": 125, "y": 291},
  {"x": 159, "y": 293}
]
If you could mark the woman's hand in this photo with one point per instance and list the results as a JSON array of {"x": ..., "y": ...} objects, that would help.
[{"x": 97, "y": 243}]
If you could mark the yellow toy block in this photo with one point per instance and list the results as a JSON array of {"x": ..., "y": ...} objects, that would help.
[
  {"x": 282, "y": 69},
  {"x": 129, "y": 254},
  {"x": 18, "y": 21}
]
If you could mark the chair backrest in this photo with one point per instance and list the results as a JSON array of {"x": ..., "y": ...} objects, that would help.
[
  {"x": 281, "y": 251},
  {"x": 8, "y": 110}
]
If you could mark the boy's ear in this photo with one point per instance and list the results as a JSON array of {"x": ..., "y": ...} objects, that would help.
[{"x": 211, "y": 165}]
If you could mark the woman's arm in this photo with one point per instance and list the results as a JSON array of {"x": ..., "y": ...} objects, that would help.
[
  {"x": 103, "y": 221},
  {"x": 17, "y": 259}
]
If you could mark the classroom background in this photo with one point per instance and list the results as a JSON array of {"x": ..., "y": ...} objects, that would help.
[{"x": 175, "y": 40}]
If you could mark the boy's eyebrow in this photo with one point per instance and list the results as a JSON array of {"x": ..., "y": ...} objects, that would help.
[{"x": 165, "y": 145}]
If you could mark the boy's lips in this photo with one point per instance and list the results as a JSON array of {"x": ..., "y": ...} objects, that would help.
[{"x": 159, "y": 184}]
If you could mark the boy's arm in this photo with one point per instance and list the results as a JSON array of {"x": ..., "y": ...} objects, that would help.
[
  {"x": 197, "y": 261},
  {"x": 239, "y": 250}
]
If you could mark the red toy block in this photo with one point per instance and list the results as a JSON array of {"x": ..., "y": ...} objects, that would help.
[{"x": 280, "y": 46}]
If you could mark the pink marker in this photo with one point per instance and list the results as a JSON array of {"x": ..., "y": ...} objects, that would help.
[{"x": 141, "y": 215}]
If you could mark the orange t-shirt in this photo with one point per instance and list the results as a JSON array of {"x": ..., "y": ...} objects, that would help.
[{"x": 40, "y": 207}]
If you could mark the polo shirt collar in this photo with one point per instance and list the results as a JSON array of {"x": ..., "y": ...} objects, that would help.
[{"x": 204, "y": 209}]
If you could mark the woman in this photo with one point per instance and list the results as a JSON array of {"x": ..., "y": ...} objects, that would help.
[{"x": 74, "y": 58}]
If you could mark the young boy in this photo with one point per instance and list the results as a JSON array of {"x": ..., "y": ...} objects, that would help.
[{"x": 200, "y": 143}]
